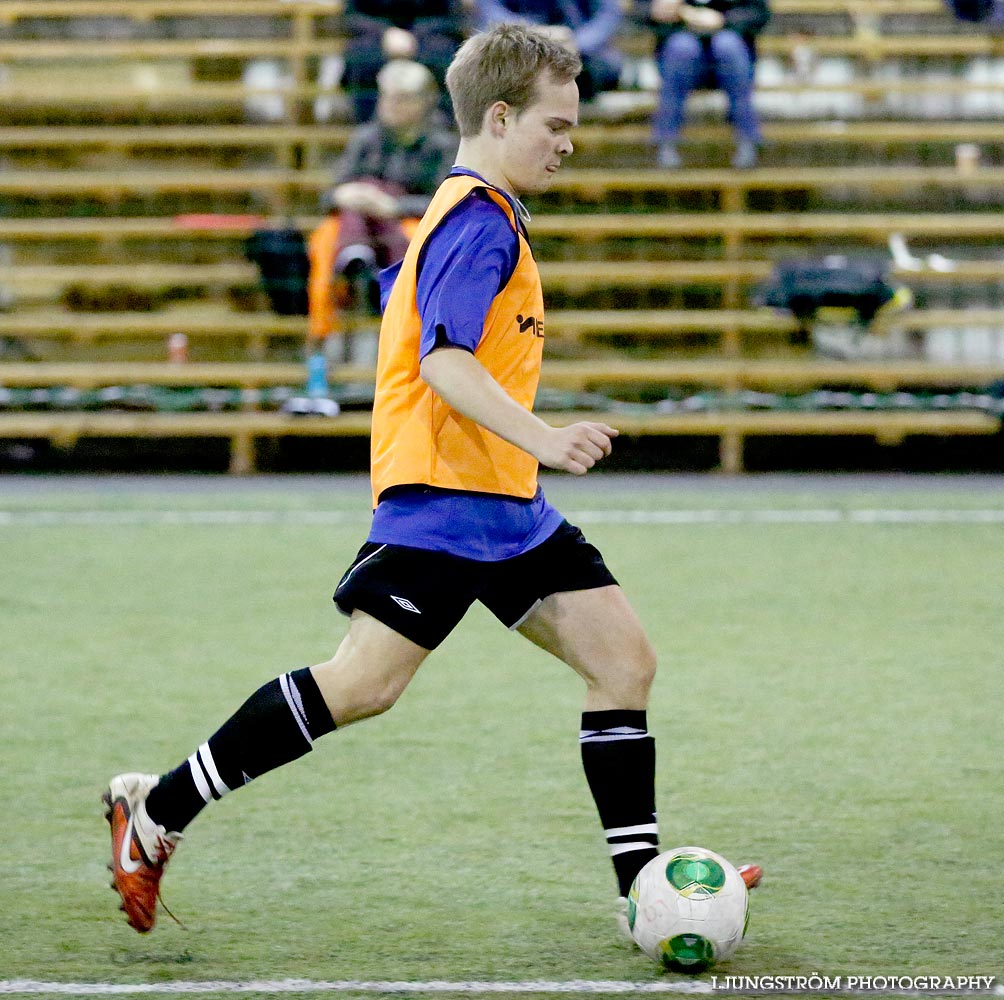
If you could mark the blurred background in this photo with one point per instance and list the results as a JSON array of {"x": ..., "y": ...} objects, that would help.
[{"x": 778, "y": 245}]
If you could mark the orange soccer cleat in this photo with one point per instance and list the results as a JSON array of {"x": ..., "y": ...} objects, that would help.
[
  {"x": 751, "y": 875},
  {"x": 140, "y": 848}
]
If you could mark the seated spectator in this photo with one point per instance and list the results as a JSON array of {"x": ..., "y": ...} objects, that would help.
[
  {"x": 588, "y": 26},
  {"x": 700, "y": 42},
  {"x": 426, "y": 31},
  {"x": 384, "y": 182}
]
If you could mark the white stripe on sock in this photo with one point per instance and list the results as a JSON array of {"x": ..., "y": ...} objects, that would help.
[
  {"x": 630, "y": 831},
  {"x": 199, "y": 778},
  {"x": 634, "y": 845},
  {"x": 284, "y": 683},
  {"x": 210, "y": 765},
  {"x": 609, "y": 737},
  {"x": 297, "y": 697}
]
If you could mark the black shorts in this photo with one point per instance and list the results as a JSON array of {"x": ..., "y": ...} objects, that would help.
[{"x": 422, "y": 595}]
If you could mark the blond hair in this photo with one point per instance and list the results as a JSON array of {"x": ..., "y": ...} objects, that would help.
[{"x": 504, "y": 64}]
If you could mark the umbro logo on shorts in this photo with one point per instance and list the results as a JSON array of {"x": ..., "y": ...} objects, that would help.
[{"x": 405, "y": 603}]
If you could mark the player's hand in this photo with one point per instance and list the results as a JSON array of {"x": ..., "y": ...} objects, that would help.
[
  {"x": 399, "y": 44},
  {"x": 365, "y": 198},
  {"x": 702, "y": 20},
  {"x": 576, "y": 448},
  {"x": 665, "y": 11}
]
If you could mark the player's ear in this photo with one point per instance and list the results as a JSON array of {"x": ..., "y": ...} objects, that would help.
[{"x": 498, "y": 115}]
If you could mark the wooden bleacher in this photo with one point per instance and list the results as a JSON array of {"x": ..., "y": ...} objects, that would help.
[
  {"x": 242, "y": 429},
  {"x": 595, "y": 184},
  {"x": 302, "y": 32},
  {"x": 44, "y": 282},
  {"x": 731, "y": 429},
  {"x": 649, "y": 273}
]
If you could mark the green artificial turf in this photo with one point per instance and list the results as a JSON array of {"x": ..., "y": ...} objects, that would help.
[{"x": 829, "y": 705}]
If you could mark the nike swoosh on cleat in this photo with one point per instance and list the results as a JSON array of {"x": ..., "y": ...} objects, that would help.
[{"x": 126, "y": 862}]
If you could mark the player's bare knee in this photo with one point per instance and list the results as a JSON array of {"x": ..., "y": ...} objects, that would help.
[
  {"x": 352, "y": 693},
  {"x": 624, "y": 679},
  {"x": 635, "y": 671},
  {"x": 385, "y": 697},
  {"x": 645, "y": 663},
  {"x": 368, "y": 702}
]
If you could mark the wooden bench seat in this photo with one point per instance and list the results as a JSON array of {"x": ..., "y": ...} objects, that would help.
[
  {"x": 594, "y": 182},
  {"x": 194, "y": 99},
  {"x": 570, "y": 276},
  {"x": 255, "y": 329},
  {"x": 171, "y": 137},
  {"x": 878, "y": 226},
  {"x": 856, "y": 45},
  {"x": 573, "y": 375},
  {"x": 243, "y": 429},
  {"x": 93, "y": 375},
  {"x": 287, "y": 190},
  {"x": 765, "y": 375},
  {"x": 897, "y": 178},
  {"x": 51, "y": 279},
  {"x": 205, "y": 323},
  {"x": 589, "y": 135},
  {"x": 826, "y": 133},
  {"x": 872, "y": 226},
  {"x": 577, "y": 324}
]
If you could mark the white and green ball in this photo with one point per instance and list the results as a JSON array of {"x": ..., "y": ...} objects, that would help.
[{"x": 688, "y": 909}]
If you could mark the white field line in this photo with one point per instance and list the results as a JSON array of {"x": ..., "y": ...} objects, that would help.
[
  {"x": 781, "y": 515},
  {"x": 308, "y": 987}
]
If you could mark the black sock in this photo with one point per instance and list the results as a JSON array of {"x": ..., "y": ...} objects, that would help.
[
  {"x": 276, "y": 725},
  {"x": 618, "y": 756}
]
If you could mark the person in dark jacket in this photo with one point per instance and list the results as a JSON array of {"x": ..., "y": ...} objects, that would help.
[
  {"x": 383, "y": 183},
  {"x": 699, "y": 42},
  {"x": 427, "y": 31},
  {"x": 586, "y": 26}
]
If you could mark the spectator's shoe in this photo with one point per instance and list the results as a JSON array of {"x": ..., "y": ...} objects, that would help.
[
  {"x": 746, "y": 156},
  {"x": 752, "y": 874},
  {"x": 311, "y": 406},
  {"x": 668, "y": 157},
  {"x": 140, "y": 848}
]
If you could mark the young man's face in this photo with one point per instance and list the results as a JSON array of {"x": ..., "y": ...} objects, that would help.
[{"x": 537, "y": 138}]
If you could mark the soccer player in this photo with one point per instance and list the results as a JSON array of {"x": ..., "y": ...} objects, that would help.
[{"x": 459, "y": 516}]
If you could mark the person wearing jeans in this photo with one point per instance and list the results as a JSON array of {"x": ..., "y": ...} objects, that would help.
[
  {"x": 700, "y": 42},
  {"x": 589, "y": 27}
]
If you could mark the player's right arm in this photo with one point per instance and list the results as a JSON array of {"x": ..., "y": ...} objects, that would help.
[
  {"x": 467, "y": 262},
  {"x": 463, "y": 383}
]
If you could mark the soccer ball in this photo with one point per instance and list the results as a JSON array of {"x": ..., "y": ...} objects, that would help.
[{"x": 688, "y": 909}]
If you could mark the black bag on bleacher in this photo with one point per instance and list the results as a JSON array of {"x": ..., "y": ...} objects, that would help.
[
  {"x": 283, "y": 268},
  {"x": 806, "y": 286}
]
